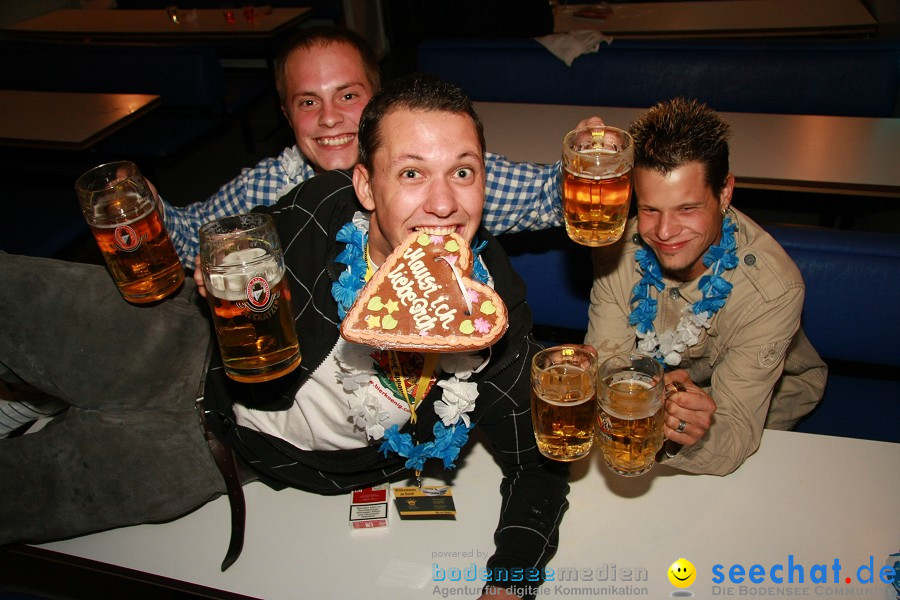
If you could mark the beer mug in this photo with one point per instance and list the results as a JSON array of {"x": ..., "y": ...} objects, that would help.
[
  {"x": 563, "y": 405},
  {"x": 631, "y": 412},
  {"x": 243, "y": 271},
  {"x": 596, "y": 183},
  {"x": 122, "y": 214}
]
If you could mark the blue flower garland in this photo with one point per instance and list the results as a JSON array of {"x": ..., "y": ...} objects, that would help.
[
  {"x": 714, "y": 290},
  {"x": 448, "y": 440},
  {"x": 347, "y": 287},
  {"x": 447, "y": 443}
]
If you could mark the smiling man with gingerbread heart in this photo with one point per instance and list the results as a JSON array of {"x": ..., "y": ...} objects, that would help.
[{"x": 437, "y": 343}]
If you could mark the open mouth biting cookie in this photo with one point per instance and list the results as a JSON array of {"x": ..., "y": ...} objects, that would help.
[{"x": 424, "y": 298}]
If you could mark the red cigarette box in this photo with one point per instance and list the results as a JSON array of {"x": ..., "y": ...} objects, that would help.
[{"x": 369, "y": 507}]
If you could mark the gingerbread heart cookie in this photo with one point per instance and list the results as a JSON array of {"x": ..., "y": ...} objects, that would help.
[{"x": 424, "y": 298}]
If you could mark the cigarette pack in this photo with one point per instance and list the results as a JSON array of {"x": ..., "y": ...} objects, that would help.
[{"x": 369, "y": 507}]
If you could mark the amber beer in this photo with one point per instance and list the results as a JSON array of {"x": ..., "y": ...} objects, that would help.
[
  {"x": 122, "y": 214},
  {"x": 595, "y": 209},
  {"x": 596, "y": 184},
  {"x": 254, "y": 325},
  {"x": 243, "y": 271},
  {"x": 630, "y": 413},
  {"x": 563, "y": 401},
  {"x": 630, "y": 441}
]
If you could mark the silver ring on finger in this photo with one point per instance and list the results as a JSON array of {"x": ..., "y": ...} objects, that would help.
[{"x": 681, "y": 426}]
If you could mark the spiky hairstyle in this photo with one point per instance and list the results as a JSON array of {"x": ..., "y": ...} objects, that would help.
[{"x": 676, "y": 132}]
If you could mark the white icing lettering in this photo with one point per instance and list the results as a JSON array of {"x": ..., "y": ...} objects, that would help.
[
  {"x": 419, "y": 306},
  {"x": 420, "y": 272},
  {"x": 401, "y": 285},
  {"x": 428, "y": 285},
  {"x": 445, "y": 314},
  {"x": 414, "y": 253}
]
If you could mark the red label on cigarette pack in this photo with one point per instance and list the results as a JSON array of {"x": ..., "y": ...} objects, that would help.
[
  {"x": 370, "y": 495},
  {"x": 369, "y": 507}
]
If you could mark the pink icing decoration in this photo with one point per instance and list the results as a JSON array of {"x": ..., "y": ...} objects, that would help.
[
  {"x": 472, "y": 295},
  {"x": 437, "y": 239},
  {"x": 482, "y": 326}
]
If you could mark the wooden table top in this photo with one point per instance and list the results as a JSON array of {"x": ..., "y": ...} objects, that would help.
[
  {"x": 723, "y": 18},
  {"x": 135, "y": 25},
  {"x": 64, "y": 120}
]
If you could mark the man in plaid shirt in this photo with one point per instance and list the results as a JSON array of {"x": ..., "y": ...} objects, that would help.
[{"x": 325, "y": 77}]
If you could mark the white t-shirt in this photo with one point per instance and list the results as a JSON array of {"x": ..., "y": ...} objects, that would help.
[{"x": 321, "y": 416}]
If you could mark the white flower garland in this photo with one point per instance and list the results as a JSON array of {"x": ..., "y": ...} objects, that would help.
[
  {"x": 292, "y": 162},
  {"x": 356, "y": 374}
]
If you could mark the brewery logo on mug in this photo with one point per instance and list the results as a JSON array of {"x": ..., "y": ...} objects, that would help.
[
  {"x": 259, "y": 297},
  {"x": 127, "y": 238}
]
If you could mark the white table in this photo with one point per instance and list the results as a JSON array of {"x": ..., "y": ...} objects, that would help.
[
  {"x": 816, "y": 498},
  {"x": 836, "y": 155},
  {"x": 724, "y": 18}
]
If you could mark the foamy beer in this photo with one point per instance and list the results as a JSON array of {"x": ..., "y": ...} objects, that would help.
[
  {"x": 596, "y": 183},
  {"x": 243, "y": 270},
  {"x": 563, "y": 401},
  {"x": 631, "y": 412},
  {"x": 122, "y": 214}
]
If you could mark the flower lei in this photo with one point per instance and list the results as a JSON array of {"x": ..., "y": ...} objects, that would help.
[
  {"x": 458, "y": 397},
  {"x": 296, "y": 169},
  {"x": 668, "y": 346}
]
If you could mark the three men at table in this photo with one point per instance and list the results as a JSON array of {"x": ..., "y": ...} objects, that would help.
[
  {"x": 745, "y": 366},
  {"x": 326, "y": 76},
  {"x": 752, "y": 367}
]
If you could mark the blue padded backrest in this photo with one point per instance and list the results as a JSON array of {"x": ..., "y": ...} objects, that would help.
[
  {"x": 183, "y": 76},
  {"x": 846, "y": 77},
  {"x": 852, "y": 285},
  {"x": 558, "y": 273}
]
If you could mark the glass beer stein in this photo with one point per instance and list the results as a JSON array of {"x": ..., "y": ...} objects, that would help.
[
  {"x": 563, "y": 401},
  {"x": 596, "y": 183},
  {"x": 244, "y": 274},
  {"x": 631, "y": 412},
  {"x": 122, "y": 214}
]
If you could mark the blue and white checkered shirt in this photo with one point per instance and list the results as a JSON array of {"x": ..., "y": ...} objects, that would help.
[{"x": 519, "y": 197}]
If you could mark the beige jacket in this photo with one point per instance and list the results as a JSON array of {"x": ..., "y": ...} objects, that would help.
[{"x": 754, "y": 360}]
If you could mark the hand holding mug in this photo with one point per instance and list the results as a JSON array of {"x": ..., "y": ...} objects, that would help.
[
  {"x": 689, "y": 410},
  {"x": 120, "y": 207},
  {"x": 245, "y": 280},
  {"x": 596, "y": 182}
]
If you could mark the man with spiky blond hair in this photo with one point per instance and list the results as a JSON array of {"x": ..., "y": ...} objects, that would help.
[{"x": 700, "y": 286}]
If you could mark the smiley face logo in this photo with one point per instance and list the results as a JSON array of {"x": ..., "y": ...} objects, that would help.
[{"x": 682, "y": 573}]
